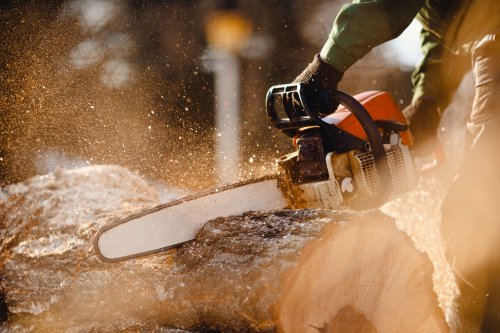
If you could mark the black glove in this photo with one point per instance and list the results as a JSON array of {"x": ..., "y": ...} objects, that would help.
[
  {"x": 423, "y": 116},
  {"x": 319, "y": 79}
]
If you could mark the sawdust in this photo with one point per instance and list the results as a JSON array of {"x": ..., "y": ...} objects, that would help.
[
  {"x": 54, "y": 216},
  {"x": 418, "y": 214},
  {"x": 56, "y": 98}
]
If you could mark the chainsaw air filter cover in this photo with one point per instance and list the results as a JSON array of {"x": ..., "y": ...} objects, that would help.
[{"x": 381, "y": 107}]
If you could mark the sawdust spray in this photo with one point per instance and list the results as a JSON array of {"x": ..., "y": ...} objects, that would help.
[{"x": 72, "y": 89}]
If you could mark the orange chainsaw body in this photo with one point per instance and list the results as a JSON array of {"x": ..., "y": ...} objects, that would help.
[{"x": 380, "y": 105}]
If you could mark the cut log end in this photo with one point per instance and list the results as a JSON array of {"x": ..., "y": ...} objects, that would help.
[{"x": 361, "y": 276}]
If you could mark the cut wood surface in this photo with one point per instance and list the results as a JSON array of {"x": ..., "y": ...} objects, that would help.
[{"x": 285, "y": 271}]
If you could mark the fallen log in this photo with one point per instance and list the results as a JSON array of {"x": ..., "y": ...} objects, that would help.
[{"x": 286, "y": 271}]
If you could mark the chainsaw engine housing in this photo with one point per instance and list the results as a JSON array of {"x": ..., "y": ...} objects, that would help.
[{"x": 317, "y": 175}]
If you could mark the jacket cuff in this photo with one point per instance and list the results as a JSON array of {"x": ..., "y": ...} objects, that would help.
[
  {"x": 336, "y": 57},
  {"x": 424, "y": 88},
  {"x": 418, "y": 93}
]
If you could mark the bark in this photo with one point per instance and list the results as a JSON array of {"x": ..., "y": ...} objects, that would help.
[{"x": 287, "y": 271}]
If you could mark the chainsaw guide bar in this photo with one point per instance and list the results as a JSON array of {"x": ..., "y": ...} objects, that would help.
[{"x": 169, "y": 225}]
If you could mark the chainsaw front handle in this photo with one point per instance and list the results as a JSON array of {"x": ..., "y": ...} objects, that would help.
[{"x": 296, "y": 118}]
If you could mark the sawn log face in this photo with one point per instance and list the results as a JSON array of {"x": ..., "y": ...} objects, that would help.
[{"x": 291, "y": 271}]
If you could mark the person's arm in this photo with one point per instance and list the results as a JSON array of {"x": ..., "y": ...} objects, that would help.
[
  {"x": 440, "y": 71},
  {"x": 359, "y": 27},
  {"x": 364, "y": 24},
  {"x": 435, "y": 79}
]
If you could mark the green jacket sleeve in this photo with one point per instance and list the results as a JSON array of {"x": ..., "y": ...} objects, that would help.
[
  {"x": 440, "y": 72},
  {"x": 364, "y": 24}
]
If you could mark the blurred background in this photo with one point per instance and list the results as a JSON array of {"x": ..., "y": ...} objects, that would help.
[{"x": 172, "y": 89}]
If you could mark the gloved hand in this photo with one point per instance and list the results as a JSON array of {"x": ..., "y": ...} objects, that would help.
[
  {"x": 320, "y": 78},
  {"x": 423, "y": 116}
]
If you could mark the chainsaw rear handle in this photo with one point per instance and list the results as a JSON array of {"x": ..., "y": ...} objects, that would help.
[
  {"x": 439, "y": 160},
  {"x": 300, "y": 114}
]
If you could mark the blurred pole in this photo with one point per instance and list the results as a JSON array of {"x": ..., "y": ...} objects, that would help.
[
  {"x": 224, "y": 65},
  {"x": 227, "y": 32}
]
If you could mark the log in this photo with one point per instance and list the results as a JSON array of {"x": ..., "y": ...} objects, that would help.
[{"x": 281, "y": 271}]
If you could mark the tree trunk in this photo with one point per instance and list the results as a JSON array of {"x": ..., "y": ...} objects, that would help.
[{"x": 285, "y": 271}]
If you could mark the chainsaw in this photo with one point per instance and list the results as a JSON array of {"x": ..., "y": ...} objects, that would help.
[{"x": 355, "y": 158}]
